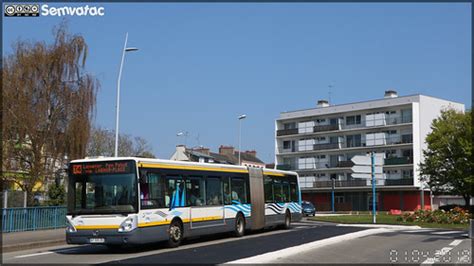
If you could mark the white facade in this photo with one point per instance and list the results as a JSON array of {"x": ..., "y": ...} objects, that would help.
[{"x": 318, "y": 143}]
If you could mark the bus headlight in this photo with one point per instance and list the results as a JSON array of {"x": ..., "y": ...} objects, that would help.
[
  {"x": 128, "y": 225},
  {"x": 69, "y": 227}
]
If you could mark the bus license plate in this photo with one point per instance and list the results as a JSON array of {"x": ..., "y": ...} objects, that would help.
[{"x": 96, "y": 240}]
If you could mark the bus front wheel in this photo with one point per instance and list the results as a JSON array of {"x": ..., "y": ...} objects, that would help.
[
  {"x": 175, "y": 234},
  {"x": 239, "y": 226}
]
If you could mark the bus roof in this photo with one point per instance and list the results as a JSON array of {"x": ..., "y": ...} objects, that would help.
[{"x": 149, "y": 162}]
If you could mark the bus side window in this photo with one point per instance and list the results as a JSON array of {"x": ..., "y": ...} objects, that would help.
[
  {"x": 175, "y": 196},
  {"x": 151, "y": 192},
  {"x": 195, "y": 191},
  {"x": 293, "y": 192},
  {"x": 238, "y": 190},
  {"x": 277, "y": 190},
  {"x": 285, "y": 191},
  {"x": 213, "y": 191},
  {"x": 227, "y": 192},
  {"x": 268, "y": 189}
]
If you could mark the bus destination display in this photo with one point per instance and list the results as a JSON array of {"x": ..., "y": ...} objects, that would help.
[{"x": 102, "y": 168}]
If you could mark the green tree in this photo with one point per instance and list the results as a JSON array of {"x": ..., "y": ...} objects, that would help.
[
  {"x": 56, "y": 194},
  {"x": 448, "y": 164}
]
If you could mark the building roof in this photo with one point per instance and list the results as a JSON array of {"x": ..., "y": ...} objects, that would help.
[
  {"x": 234, "y": 159},
  {"x": 355, "y": 106}
]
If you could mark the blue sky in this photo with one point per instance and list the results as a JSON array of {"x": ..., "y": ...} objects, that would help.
[{"x": 201, "y": 65}]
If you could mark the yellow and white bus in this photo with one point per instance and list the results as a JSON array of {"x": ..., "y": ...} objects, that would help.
[{"x": 117, "y": 201}]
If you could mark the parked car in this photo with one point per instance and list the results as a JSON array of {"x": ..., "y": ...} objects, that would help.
[{"x": 308, "y": 208}]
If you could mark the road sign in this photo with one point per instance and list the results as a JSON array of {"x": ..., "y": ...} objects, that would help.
[
  {"x": 367, "y": 175},
  {"x": 365, "y": 160},
  {"x": 366, "y": 169}
]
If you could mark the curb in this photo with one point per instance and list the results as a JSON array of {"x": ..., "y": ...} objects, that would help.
[{"x": 31, "y": 245}]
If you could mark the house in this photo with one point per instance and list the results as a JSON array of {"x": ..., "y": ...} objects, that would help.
[{"x": 226, "y": 155}]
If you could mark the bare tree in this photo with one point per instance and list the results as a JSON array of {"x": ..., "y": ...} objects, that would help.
[
  {"x": 49, "y": 102},
  {"x": 102, "y": 141}
]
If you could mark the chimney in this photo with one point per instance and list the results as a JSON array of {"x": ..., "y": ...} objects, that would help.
[
  {"x": 180, "y": 148},
  {"x": 322, "y": 103},
  {"x": 252, "y": 152},
  {"x": 390, "y": 94},
  {"x": 226, "y": 150},
  {"x": 202, "y": 150}
]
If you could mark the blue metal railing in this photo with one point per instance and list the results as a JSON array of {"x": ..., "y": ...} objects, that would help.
[{"x": 33, "y": 218}]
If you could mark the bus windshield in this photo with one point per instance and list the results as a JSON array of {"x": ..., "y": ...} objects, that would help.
[{"x": 103, "y": 188}]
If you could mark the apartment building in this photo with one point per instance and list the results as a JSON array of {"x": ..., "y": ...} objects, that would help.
[{"x": 318, "y": 143}]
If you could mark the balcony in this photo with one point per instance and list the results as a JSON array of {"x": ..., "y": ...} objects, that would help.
[
  {"x": 325, "y": 128},
  {"x": 398, "y": 160},
  {"x": 342, "y": 164},
  {"x": 326, "y": 146},
  {"x": 399, "y": 182},
  {"x": 284, "y": 132},
  {"x": 340, "y": 183},
  {"x": 284, "y": 167}
]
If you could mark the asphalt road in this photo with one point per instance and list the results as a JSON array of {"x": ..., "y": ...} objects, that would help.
[{"x": 306, "y": 242}]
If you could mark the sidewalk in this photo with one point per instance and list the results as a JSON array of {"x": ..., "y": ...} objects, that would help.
[{"x": 32, "y": 239}]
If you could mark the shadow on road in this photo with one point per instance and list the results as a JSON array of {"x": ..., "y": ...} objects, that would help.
[{"x": 130, "y": 249}]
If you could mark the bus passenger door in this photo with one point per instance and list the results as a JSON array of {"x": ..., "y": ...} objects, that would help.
[
  {"x": 175, "y": 197},
  {"x": 205, "y": 201},
  {"x": 257, "y": 198}
]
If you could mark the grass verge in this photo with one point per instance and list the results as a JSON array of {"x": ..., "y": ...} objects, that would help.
[{"x": 383, "y": 219}]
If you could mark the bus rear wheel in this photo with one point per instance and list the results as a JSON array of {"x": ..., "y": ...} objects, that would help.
[
  {"x": 175, "y": 234},
  {"x": 239, "y": 229},
  {"x": 287, "y": 223}
]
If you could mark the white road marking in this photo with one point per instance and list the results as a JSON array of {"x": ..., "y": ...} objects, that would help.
[
  {"x": 419, "y": 231},
  {"x": 402, "y": 227},
  {"x": 456, "y": 242},
  {"x": 446, "y": 232},
  {"x": 286, "y": 252},
  {"x": 34, "y": 254}
]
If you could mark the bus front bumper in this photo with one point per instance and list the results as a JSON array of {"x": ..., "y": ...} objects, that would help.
[
  {"x": 102, "y": 236},
  {"x": 113, "y": 237}
]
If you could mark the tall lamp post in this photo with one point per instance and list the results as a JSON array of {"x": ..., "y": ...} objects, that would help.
[
  {"x": 125, "y": 49},
  {"x": 185, "y": 134},
  {"x": 241, "y": 117}
]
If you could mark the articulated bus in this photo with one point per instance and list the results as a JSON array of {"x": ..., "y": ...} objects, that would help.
[{"x": 119, "y": 201}]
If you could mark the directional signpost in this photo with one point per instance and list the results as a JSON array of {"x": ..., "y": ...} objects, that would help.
[{"x": 369, "y": 167}]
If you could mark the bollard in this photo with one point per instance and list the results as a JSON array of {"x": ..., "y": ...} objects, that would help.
[{"x": 470, "y": 228}]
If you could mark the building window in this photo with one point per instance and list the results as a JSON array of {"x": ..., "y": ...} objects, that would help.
[
  {"x": 339, "y": 199},
  {"x": 353, "y": 120},
  {"x": 289, "y": 125},
  {"x": 353, "y": 141},
  {"x": 408, "y": 138},
  {"x": 407, "y": 173},
  {"x": 286, "y": 144},
  {"x": 406, "y": 116}
]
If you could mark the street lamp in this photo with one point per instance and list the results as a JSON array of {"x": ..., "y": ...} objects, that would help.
[
  {"x": 241, "y": 117},
  {"x": 125, "y": 49},
  {"x": 185, "y": 134}
]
